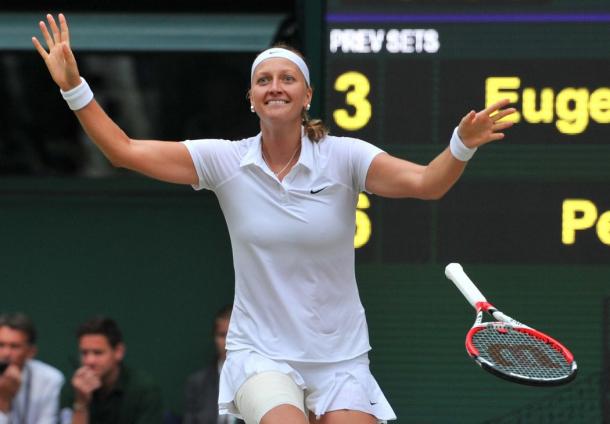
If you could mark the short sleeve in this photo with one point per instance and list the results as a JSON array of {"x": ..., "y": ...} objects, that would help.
[
  {"x": 361, "y": 154},
  {"x": 214, "y": 160}
]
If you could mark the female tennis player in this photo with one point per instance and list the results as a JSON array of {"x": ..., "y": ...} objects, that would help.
[{"x": 298, "y": 340}]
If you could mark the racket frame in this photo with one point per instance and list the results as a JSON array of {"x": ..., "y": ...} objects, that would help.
[
  {"x": 504, "y": 321},
  {"x": 455, "y": 273}
]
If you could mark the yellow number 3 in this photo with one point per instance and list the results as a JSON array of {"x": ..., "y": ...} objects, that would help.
[{"x": 356, "y": 97}]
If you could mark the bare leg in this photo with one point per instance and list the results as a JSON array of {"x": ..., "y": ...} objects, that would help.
[
  {"x": 284, "y": 414},
  {"x": 345, "y": 416}
]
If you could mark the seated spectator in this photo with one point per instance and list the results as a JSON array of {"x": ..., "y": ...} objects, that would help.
[
  {"x": 29, "y": 389},
  {"x": 103, "y": 389},
  {"x": 201, "y": 406}
]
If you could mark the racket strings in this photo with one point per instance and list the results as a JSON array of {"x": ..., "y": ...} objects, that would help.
[
  {"x": 544, "y": 339},
  {"x": 521, "y": 354}
]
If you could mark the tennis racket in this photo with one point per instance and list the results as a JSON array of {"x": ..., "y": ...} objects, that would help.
[{"x": 509, "y": 349}]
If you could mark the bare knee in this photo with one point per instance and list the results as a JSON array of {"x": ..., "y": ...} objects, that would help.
[
  {"x": 284, "y": 414},
  {"x": 345, "y": 416}
]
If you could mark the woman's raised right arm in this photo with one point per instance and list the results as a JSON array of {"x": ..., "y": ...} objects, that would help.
[{"x": 162, "y": 160}]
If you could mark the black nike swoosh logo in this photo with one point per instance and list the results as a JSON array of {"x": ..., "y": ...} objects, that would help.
[{"x": 317, "y": 191}]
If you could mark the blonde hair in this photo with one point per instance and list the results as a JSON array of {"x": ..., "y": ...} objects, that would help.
[{"x": 315, "y": 129}]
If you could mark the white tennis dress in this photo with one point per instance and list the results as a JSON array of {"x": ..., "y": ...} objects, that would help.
[{"x": 296, "y": 297}]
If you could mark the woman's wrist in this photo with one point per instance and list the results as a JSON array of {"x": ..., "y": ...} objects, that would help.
[
  {"x": 458, "y": 149},
  {"x": 79, "y": 96}
]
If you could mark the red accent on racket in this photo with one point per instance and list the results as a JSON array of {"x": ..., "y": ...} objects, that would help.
[{"x": 509, "y": 349}]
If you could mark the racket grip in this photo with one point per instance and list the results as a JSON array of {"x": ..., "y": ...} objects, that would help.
[{"x": 455, "y": 273}]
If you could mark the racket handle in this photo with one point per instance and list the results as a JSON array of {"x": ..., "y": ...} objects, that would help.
[{"x": 455, "y": 273}]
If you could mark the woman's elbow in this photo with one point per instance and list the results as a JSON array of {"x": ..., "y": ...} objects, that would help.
[
  {"x": 120, "y": 161},
  {"x": 433, "y": 194},
  {"x": 122, "y": 157},
  {"x": 436, "y": 190},
  {"x": 116, "y": 162}
]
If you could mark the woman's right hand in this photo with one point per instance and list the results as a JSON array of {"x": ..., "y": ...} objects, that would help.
[
  {"x": 59, "y": 59},
  {"x": 169, "y": 162}
]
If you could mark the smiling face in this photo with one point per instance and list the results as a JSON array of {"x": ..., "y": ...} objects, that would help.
[{"x": 279, "y": 92}]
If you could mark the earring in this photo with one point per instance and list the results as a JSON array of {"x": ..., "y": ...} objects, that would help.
[
  {"x": 252, "y": 108},
  {"x": 308, "y": 106}
]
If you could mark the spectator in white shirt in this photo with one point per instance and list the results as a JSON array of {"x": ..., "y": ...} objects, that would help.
[{"x": 29, "y": 389}]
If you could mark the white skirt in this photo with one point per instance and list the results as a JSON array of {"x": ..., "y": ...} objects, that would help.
[{"x": 328, "y": 386}]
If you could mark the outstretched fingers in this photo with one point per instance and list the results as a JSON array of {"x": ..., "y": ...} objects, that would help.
[
  {"x": 54, "y": 29},
  {"x": 502, "y": 113},
  {"x": 495, "y": 107},
  {"x": 477, "y": 129},
  {"x": 41, "y": 50},
  {"x": 495, "y": 137},
  {"x": 56, "y": 35},
  {"x": 65, "y": 32},
  {"x": 45, "y": 34},
  {"x": 500, "y": 126},
  {"x": 471, "y": 116}
]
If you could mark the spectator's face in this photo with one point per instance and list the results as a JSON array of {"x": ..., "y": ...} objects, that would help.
[
  {"x": 15, "y": 346},
  {"x": 97, "y": 354},
  {"x": 220, "y": 337}
]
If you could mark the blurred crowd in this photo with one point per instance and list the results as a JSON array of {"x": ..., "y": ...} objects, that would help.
[{"x": 103, "y": 389}]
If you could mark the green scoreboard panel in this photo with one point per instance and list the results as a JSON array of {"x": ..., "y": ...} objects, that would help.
[{"x": 401, "y": 74}]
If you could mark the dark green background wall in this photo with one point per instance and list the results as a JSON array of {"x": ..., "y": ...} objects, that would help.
[{"x": 157, "y": 258}]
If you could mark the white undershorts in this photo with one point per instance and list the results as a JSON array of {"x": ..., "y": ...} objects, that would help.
[{"x": 327, "y": 386}]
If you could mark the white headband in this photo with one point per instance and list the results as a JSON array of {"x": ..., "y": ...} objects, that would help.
[{"x": 285, "y": 54}]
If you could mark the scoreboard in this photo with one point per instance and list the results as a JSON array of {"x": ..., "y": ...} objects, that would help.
[{"x": 401, "y": 74}]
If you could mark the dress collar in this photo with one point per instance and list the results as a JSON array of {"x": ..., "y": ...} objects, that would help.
[{"x": 254, "y": 155}]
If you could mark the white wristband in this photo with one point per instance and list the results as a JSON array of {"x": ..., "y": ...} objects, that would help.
[
  {"x": 459, "y": 149},
  {"x": 79, "y": 96}
]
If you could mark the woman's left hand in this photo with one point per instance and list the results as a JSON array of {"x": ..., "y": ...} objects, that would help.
[{"x": 479, "y": 128}]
